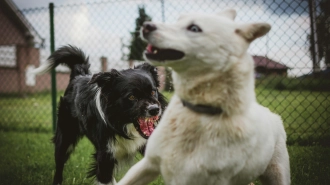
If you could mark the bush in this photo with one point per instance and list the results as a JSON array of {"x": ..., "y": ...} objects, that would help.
[{"x": 294, "y": 84}]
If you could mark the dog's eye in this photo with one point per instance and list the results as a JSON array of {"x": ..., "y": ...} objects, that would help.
[
  {"x": 131, "y": 97},
  {"x": 153, "y": 93},
  {"x": 194, "y": 28}
]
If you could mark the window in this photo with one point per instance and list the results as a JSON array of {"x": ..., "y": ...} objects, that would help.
[{"x": 8, "y": 56}]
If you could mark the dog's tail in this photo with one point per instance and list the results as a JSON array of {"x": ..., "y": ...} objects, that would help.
[{"x": 70, "y": 56}]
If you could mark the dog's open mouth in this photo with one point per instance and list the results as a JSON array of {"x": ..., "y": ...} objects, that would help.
[
  {"x": 158, "y": 54},
  {"x": 147, "y": 125}
]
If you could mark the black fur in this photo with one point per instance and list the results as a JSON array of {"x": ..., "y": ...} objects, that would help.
[{"x": 79, "y": 116}]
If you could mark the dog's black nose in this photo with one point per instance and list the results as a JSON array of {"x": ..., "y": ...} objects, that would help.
[
  {"x": 148, "y": 27},
  {"x": 153, "y": 110}
]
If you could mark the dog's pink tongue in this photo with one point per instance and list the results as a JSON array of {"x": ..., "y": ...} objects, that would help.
[
  {"x": 146, "y": 126},
  {"x": 149, "y": 48}
]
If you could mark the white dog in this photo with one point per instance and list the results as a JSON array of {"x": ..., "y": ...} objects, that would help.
[{"x": 213, "y": 131}]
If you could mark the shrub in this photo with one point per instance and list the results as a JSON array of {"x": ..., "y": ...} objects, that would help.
[{"x": 294, "y": 84}]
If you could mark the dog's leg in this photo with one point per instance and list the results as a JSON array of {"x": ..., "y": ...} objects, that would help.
[
  {"x": 141, "y": 173},
  {"x": 114, "y": 182},
  {"x": 142, "y": 150},
  {"x": 104, "y": 167},
  {"x": 63, "y": 148},
  {"x": 278, "y": 170},
  {"x": 65, "y": 139}
]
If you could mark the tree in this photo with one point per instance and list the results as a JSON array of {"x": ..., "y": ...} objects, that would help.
[
  {"x": 323, "y": 33},
  {"x": 137, "y": 46}
]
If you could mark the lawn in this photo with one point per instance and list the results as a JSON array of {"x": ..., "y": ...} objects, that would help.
[
  {"x": 26, "y": 158},
  {"x": 26, "y": 153},
  {"x": 306, "y": 114},
  {"x": 29, "y": 113}
]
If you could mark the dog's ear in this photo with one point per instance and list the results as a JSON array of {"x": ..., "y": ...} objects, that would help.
[
  {"x": 151, "y": 69},
  {"x": 103, "y": 78},
  {"x": 253, "y": 31},
  {"x": 229, "y": 13}
]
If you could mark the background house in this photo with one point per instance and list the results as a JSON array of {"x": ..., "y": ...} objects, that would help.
[
  {"x": 20, "y": 46},
  {"x": 265, "y": 66}
]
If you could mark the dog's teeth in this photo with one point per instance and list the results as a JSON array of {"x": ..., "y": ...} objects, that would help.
[{"x": 155, "y": 51}]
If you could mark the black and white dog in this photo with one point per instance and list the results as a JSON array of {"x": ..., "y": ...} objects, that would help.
[{"x": 116, "y": 110}]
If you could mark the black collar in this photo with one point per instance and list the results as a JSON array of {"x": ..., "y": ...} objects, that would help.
[{"x": 206, "y": 109}]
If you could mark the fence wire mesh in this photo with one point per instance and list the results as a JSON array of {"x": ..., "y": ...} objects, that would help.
[{"x": 292, "y": 76}]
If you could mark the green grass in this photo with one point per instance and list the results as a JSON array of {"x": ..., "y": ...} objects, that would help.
[
  {"x": 29, "y": 113},
  {"x": 306, "y": 114},
  {"x": 26, "y": 153},
  {"x": 27, "y": 158},
  {"x": 296, "y": 84}
]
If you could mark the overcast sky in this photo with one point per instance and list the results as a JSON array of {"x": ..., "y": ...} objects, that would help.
[
  {"x": 105, "y": 24},
  {"x": 276, "y": 6},
  {"x": 23, "y": 4}
]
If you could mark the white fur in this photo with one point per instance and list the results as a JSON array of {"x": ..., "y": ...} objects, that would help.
[
  {"x": 124, "y": 149},
  {"x": 243, "y": 143},
  {"x": 45, "y": 67},
  {"x": 159, "y": 113},
  {"x": 113, "y": 182},
  {"x": 98, "y": 104}
]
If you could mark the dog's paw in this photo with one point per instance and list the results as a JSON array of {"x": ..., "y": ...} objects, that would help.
[{"x": 113, "y": 182}]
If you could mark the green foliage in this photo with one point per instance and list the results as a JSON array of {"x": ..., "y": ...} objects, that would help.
[
  {"x": 137, "y": 46},
  {"x": 294, "y": 84}
]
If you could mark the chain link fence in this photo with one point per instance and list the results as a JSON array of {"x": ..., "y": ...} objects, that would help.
[{"x": 292, "y": 77}]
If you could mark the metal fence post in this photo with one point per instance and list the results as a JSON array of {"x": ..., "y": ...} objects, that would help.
[
  {"x": 53, "y": 72},
  {"x": 314, "y": 39}
]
